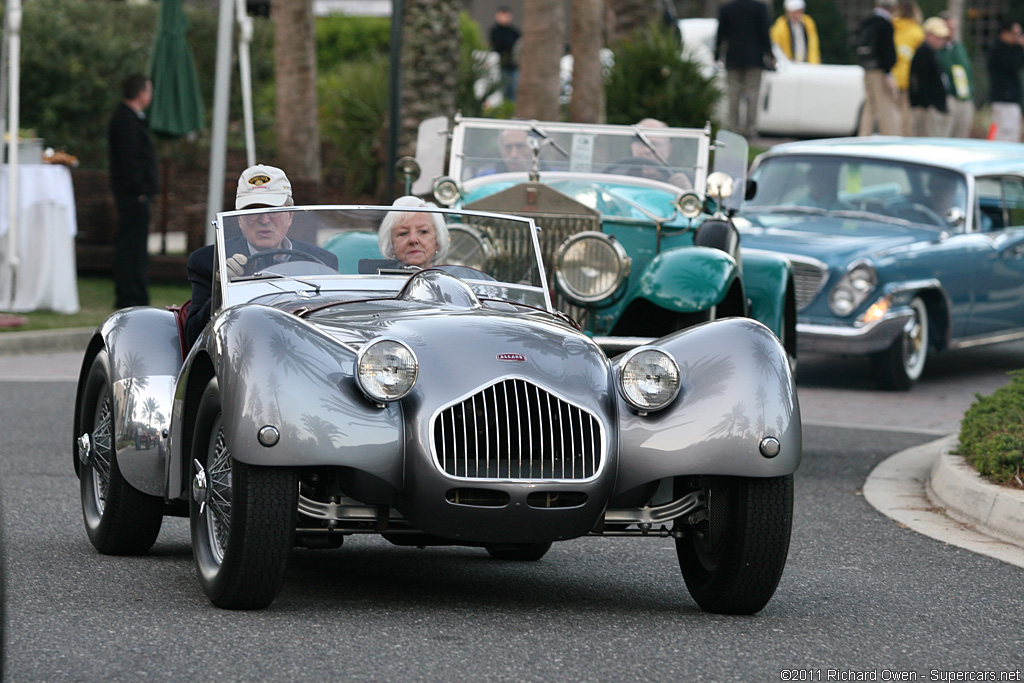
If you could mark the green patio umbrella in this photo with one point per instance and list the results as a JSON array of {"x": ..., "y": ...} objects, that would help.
[{"x": 177, "y": 107}]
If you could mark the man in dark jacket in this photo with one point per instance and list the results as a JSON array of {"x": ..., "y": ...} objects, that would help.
[
  {"x": 876, "y": 52},
  {"x": 927, "y": 87},
  {"x": 133, "y": 180},
  {"x": 743, "y": 28},
  {"x": 258, "y": 187},
  {"x": 1005, "y": 60}
]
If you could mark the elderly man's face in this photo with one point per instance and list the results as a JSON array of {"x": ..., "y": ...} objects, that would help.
[
  {"x": 415, "y": 240},
  {"x": 663, "y": 145},
  {"x": 266, "y": 230},
  {"x": 515, "y": 151}
]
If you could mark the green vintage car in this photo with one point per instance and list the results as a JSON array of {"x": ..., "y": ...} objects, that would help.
[{"x": 637, "y": 234}]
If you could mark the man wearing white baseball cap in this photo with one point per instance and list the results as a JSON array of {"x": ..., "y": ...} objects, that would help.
[
  {"x": 796, "y": 34},
  {"x": 259, "y": 186}
]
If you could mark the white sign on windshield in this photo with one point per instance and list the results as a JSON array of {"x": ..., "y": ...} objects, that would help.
[{"x": 582, "y": 155}]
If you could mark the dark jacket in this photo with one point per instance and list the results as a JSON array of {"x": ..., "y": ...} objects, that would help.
[
  {"x": 927, "y": 87},
  {"x": 200, "y": 274},
  {"x": 133, "y": 170},
  {"x": 503, "y": 40},
  {"x": 1004, "y": 65},
  {"x": 743, "y": 27},
  {"x": 878, "y": 49}
]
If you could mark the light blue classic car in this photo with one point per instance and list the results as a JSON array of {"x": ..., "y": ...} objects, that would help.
[
  {"x": 901, "y": 247},
  {"x": 636, "y": 230}
]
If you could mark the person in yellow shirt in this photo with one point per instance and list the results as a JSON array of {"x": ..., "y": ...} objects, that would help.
[
  {"x": 908, "y": 35},
  {"x": 796, "y": 34}
]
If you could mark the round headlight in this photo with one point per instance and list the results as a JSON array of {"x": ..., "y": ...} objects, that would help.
[
  {"x": 689, "y": 204},
  {"x": 590, "y": 267},
  {"x": 446, "y": 191},
  {"x": 467, "y": 247},
  {"x": 648, "y": 378},
  {"x": 851, "y": 291},
  {"x": 386, "y": 370},
  {"x": 720, "y": 185}
]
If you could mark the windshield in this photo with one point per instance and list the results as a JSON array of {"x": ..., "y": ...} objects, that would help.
[
  {"x": 829, "y": 184},
  {"x": 329, "y": 249},
  {"x": 483, "y": 147}
]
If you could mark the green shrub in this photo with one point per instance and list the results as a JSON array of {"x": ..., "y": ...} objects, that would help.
[
  {"x": 992, "y": 433},
  {"x": 341, "y": 38},
  {"x": 353, "y": 100},
  {"x": 649, "y": 79}
]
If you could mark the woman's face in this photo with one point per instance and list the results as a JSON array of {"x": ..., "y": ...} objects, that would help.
[{"x": 415, "y": 240}]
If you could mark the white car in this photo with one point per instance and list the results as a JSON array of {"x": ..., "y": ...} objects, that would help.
[{"x": 796, "y": 100}]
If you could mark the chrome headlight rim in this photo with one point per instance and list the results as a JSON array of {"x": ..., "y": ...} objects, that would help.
[
  {"x": 855, "y": 286},
  {"x": 636, "y": 400},
  {"x": 484, "y": 246},
  {"x": 446, "y": 191},
  {"x": 622, "y": 260},
  {"x": 690, "y": 205},
  {"x": 403, "y": 386}
]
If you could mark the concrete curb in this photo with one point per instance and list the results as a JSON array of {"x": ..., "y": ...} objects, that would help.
[
  {"x": 994, "y": 510},
  {"x": 46, "y": 341}
]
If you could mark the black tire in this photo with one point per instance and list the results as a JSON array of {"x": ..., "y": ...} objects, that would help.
[
  {"x": 732, "y": 562},
  {"x": 899, "y": 366},
  {"x": 119, "y": 519},
  {"x": 243, "y": 536},
  {"x": 518, "y": 552}
]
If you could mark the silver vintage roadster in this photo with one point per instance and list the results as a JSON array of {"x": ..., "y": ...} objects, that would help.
[{"x": 449, "y": 405}]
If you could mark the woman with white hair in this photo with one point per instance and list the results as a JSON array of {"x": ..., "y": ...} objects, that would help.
[{"x": 413, "y": 238}]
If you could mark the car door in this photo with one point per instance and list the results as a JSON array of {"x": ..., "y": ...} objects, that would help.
[{"x": 999, "y": 282}]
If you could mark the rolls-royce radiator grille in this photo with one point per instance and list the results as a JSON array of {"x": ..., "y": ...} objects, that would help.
[
  {"x": 516, "y": 430},
  {"x": 809, "y": 278}
]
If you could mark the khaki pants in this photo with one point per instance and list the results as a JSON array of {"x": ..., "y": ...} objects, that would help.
[
  {"x": 960, "y": 118},
  {"x": 879, "y": 105},
  {"x": 928, "y": 123},
  {"x": 744, "y": 86},
  {"x": 1006, "y": 116}
]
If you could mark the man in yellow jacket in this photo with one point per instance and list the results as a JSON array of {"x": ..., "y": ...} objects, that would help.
[{"x": 796, "y": 34}]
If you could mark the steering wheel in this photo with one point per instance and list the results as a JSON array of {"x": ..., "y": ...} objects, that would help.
[
  {"x": 257, "y": 259},
  {"x": 916, "y": 212},
  {"x": 636, "y": 167}
]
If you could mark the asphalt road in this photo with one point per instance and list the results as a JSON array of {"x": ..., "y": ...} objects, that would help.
[{"x": 860, "y": 593}]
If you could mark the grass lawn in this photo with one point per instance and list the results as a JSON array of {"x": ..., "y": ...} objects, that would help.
[{"x": 96, "y": 297}]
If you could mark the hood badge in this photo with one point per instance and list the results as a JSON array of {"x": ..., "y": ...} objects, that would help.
[{"x": 511, "y": 357}]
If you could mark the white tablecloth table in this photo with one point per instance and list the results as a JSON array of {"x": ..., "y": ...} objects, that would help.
[{"x": 46, "y": 277}]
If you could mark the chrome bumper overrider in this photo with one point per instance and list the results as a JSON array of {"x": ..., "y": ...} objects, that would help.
[{"x": 875, "y": 336}]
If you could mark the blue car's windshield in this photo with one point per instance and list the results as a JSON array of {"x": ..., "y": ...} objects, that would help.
[{"x": 832, "y": 184}]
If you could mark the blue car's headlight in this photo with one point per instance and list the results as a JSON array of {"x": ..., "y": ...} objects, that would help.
[
  {"x": 648, "y": 378},
  {"x": 851, "y": 291},
  {"x": 386, "y": 370}
]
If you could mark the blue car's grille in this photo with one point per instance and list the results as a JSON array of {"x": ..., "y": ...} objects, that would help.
[
  {"x": 516, "y": 430},
  {"x": 808, "y": 278}
]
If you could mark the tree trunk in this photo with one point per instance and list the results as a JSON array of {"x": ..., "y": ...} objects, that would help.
[
  {"x": 543, "y": 40},
  {"x": 634, "y": 15},
  {"x": 587, "y": 38},
  {"x": 430, "y": 55},
  {"x": 298, "y": 132}
]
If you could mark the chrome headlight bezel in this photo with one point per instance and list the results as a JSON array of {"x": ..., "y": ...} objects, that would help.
[
  {"x": 383, "y": 382},
  {"x": 618, "y": 259},
  {"x": 853, "y": 289},
  {"x": 648, "y": 366},
  {"x": 689, "y": 204},
  {"x": 446, "y": 191}
]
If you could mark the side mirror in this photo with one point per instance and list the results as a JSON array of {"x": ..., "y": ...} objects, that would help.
[
  {"x": 955, "y": 216},
  {"x": 751, "y": 190}
]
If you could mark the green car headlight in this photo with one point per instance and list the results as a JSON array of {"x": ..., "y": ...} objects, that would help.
[
  {"x": 590, "y": 267},
  {"x": 386, "y": 370},
  {"x": 851, "y": 291},
  {"x": 648, "y": 378}
]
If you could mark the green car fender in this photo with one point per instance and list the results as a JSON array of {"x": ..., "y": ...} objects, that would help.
[
  {"x": 686, "y": 279},
  {"x": 768, "y": 279}
]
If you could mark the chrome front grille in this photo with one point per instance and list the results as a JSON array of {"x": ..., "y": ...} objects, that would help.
[
  {"x": 809, "y": 277},
  {"x": 516, "y": 430}
]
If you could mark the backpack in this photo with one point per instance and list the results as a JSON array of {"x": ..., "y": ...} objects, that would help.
[{"x": 865, "y": 46}]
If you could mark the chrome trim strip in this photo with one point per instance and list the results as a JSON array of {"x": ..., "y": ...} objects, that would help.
[
  {"x": 622, "y": 344},
  {"x": 984, "y": 340},
  {"x": 875, "y": 336}
]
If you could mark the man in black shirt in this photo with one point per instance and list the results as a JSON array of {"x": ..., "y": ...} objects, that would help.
[
  {"x": 876, "y": 52},
  {"x": 1005, "y": 60},
  {"x": 133, "y": 180},
  {"x": 504, "y": 36},
  {"x": 743, "y": 28},
  {"x": 927, "y": 89}
]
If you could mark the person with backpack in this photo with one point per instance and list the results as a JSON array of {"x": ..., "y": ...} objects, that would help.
[{"x": 876, "y": 53}]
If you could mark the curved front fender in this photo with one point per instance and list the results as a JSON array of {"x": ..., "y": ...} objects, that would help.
[
  {"x": 686, "y": 279},
  {"x": 737, "y": 389},
  {"x": 276, "y": 370},
  {"x": 766, "y": 277}
]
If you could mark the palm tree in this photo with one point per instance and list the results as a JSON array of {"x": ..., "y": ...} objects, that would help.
[
  {"x": 587, "y": 38},
  {"x": 298, "y": 132},
  {"x": 633, "y": 15},
  {"x": 542, "y": 46}
]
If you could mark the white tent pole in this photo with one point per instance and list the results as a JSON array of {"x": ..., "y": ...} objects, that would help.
[
  {"x": 14, "y": 82},
  {"x": 219, "y": 129},
  {"x": 245, "y": 73}
]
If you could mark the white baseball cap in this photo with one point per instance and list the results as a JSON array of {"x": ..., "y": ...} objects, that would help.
[
  {"x": 264, "y": 185},
  {"x": 794, "y": 5}
]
